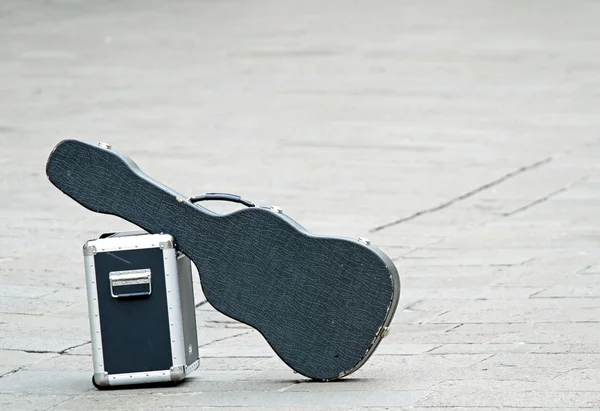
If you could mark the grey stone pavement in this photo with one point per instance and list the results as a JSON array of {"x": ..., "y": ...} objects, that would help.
[{"x": 462, "y": 137}]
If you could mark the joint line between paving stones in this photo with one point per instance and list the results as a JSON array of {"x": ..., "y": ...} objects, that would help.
[
  {"x": 225, "y": 338},
  {"x": 415, "y": 249},
  {"x": 535, "y": 202},
  {"x": 465, "y": 195},
  {"x": 544, "y": 198},
  {"x": 63, "y": 402},
  {"x": 454, "y": 328},
  {"x": 584, "y": 268},
  {"x": 433, "y": 349},
  {"x": 485, "y": 359}
]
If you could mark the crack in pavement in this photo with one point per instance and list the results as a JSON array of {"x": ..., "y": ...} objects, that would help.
[
  {"x": 74, "y": 346},
  {"x": 37, "y": 352},
  {"x": 61, "y": 352},
  {"x": 465, "y": 195},
  {"x": 11, "y": 372}
]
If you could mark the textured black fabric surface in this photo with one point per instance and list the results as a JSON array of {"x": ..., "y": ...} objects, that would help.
[{"x": 318, "y": 301}]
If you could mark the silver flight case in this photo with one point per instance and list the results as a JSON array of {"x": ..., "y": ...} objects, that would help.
[{"x": 141, "y": 309}]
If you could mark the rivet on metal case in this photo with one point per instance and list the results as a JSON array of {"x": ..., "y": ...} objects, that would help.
[
  {"x": 104, "y": 145},
  {"x": 276, "y": 209},
  {"x": 365, "y": 241}
]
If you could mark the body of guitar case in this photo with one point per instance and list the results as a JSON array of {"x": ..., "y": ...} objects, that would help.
[{"x": 322, "y": 303}]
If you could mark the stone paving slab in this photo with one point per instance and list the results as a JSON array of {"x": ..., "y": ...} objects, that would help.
[
  {"x": 31, "y": 402},
  {"x": 459, "y": 136}
]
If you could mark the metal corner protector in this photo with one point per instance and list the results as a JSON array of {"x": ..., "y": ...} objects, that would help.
[
  {"x": 89, "y": 250},
  {"x": 177, "y": 373},
  {"x": 101, "y": 379}
]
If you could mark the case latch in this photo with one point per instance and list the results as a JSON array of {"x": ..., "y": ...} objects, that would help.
[{"x": 130, "y": 283}]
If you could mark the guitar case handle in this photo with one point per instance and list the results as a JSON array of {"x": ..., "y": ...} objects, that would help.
[{"x": 222, "y": 197}]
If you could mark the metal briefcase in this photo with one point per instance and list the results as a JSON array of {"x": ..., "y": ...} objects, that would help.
[{"x": 141, "y": 308}]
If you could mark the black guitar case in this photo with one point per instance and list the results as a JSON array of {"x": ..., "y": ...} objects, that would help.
[{"x": 322, "y": 303}]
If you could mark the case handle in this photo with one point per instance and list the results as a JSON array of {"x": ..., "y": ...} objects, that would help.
[
  {"x": 222, "y": 197},
  {"x": 130, "y": 283}
]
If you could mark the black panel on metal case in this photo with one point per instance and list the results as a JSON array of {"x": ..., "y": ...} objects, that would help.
[{"x": 135, "y": 331}]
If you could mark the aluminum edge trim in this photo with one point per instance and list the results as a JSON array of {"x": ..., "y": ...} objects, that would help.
[
  {"x": 174, "y": 306},
  {"x": 134, "y": 242},
  {"x": 139, "y": 378},
  {"x": 192, "y": 367},
  {"x": 94, "y": 315}
]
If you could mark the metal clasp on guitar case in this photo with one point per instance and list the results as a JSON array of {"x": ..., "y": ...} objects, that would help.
[{"x": 130, "y": 283}]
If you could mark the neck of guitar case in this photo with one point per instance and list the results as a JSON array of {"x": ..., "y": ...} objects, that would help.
[{"x": 107, "y": 182}]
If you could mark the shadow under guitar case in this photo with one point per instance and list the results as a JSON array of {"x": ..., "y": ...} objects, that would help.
[{"x": 141, "y": 308}]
